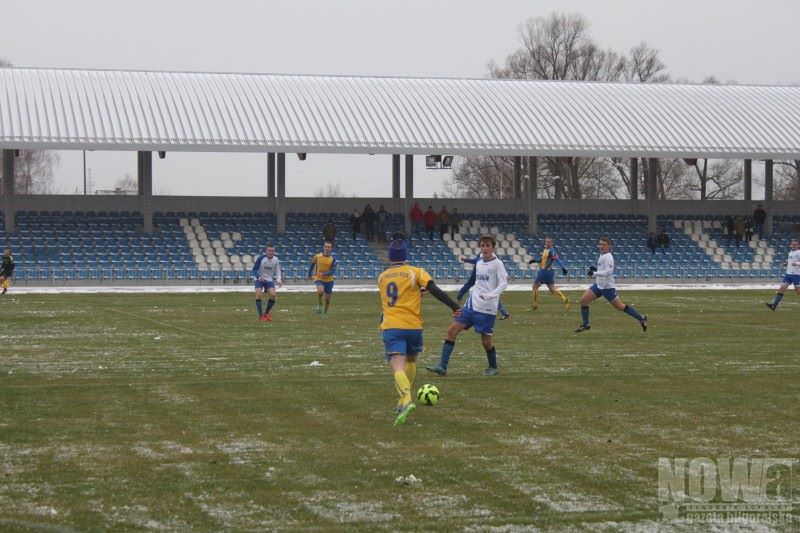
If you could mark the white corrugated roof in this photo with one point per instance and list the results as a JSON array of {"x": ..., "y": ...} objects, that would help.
[{"x": 182, "y": 111}]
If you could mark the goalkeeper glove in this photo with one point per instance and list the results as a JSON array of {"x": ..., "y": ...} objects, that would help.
[
  {"x": 564, "y": 271},
  {"x": 592, "y": 270}
]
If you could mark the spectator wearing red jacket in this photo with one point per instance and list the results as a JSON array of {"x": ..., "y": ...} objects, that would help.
[
  {"x": 430, "y": 221},
  {"x": 416, "y": 219}
]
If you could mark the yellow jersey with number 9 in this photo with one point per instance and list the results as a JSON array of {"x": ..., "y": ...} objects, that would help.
[{"x": 399, "y": 288}]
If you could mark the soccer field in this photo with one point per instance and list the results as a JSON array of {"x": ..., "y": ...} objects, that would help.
[{"x": 181, "y": 411}]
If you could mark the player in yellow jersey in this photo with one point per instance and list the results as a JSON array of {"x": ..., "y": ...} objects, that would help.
[
  {"x": 6, "y": 270},
  {"x": 546, "y": 275},
  {"x": 400, "y": 287},
  {"x": 322, "y": 270}
]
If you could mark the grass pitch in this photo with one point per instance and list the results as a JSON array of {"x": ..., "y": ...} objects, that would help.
[{"x": 175, "y": 412}]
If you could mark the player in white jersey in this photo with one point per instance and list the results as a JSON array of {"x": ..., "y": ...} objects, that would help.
[
  {"x": 480, "y": 310},
  {"x": 604, "y": 285},
  {"x": 266, "y": 274},
  {"x": 792, "y": 276}
]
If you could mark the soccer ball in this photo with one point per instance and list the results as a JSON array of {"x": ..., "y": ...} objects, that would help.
[{"x": 428, "y": 394}]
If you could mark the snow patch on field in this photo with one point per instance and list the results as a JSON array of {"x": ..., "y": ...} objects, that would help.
[
  {"x": 569, "y": 502},
  {"x": 245, "y": 451},
  {"x": 339, "y": 508}
]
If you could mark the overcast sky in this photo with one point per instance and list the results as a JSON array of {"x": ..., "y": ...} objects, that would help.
[{"x": 746, "y": 41}]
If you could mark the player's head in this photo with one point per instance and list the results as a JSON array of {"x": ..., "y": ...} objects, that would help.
[
  {"x": 604, "y": 244},
  {"x": 548, "y": 242},
  {"x": 327, "y": 248},
  {"x": 794, "y": 243},
  {"x": 398, "y": 251},
  {"x": 270, "y": 251},
  {"x": 487, "y": 244},
  {"x": 7, "y": 252}
]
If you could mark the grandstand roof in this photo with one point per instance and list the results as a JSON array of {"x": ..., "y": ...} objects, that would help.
[{"x": 188, "y": 111}]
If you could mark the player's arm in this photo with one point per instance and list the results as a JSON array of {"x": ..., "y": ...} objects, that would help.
[
  {"x": 440, "y": 295},
  {"x": 557, "y": 260},
  {"x": 256, "y": 266},
  {"x": 535, "y": 260},
  {"x": 311, "y": 268},
  {"x": 606, "y": 271},
  {"x": 472, "y": 261},
  {"x": 278, "y": 273},
  {"x": 502, "y": 283}
]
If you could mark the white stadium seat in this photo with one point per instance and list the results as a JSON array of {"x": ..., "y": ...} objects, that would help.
[{"x": 236, "y": 236}]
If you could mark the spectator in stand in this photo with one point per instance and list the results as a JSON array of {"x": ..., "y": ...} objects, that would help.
[
  {"x": 663, "y": 241},
  {"x": 329, "y": 231},
  {"x": 651, "y": 242},
  {"x": 729, "y": 225},
  {"x": 759, "y": 217},
  {"x": 355, "y": 223},
  {"x": 430, "y": 221},
  {"x": 748, "y": 228},
  {"x": 455, "y": 222},
  {"x": 382, "y": 218},
  {"x": 738, "y": 228},
  {"x": 368, "y": 218},
  {"x": 416, "y": 219},
  {"x": 444, "y": 222}
]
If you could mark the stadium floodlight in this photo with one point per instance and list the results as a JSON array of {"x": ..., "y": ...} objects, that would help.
[
  {"x": 302, "y": 156},
  {"x": 447, "y": 161},
  {"x": 162, "y": 154},
  {"x": 433, "y": 161}
]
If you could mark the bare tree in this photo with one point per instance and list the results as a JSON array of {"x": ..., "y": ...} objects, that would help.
[
  {"x": 558, "y": 47},
  {"x": 126, "y": 184},
  {"x": 719, "y": 179},
  {"x": 33, "y": 169},
  {"x": 787, "y": 184},
  {"x": 330, "y": 191}
]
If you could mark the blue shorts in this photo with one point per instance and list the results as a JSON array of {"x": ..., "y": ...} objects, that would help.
[
  {"x": 264, "y": 285},
  {"x": 402, "y": 341},
  {"x": 482, "y": 322},
  {"x": 327, "y": 286},
  {"x": 791, "y": 279},
  {"x": 545, "y": 277},
  {"x": 609, "y": 294}
]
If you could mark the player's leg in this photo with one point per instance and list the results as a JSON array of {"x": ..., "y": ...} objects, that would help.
[
  {"x": 328, "y": 294},
  {"x": 535, "y": 304},
  {"x": 270, "y": 302},
  {"x": 4, "y": 283},
  {"x": 629, "y": 310},
  {"x": 779, "y": 294},
  {"x": 552, "y": 288},
  {"x": 491, "y": 354},
  {"x": 259, "y": 295},
  {"x": 453, "y": 330},
  {"x": 588, "y": 297},
  {"x": 504, "y": 314},
  {"x": 320, "y": 292}
]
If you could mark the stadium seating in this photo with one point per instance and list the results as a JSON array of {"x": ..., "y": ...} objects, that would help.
[{"x": 65, "y": 246}]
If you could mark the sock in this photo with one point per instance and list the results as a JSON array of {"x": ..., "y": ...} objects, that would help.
[
  {"x": 327, "y": 305},
  {"x": 535, "y": 296},
  {"x": 502, "y": 309},
  {"x": 777, "y": 300},
  {"x": 447, "y": 350},
  {"x": 561, "y": 295},
  {"x": 270, "y": 303},
  {"x": 403, "y": 386},
  {"x": 258, "y": 306},
  {"x": 585, "y": 314},
  {"x": 411, "y": 372},
  {"x": 491, "y": 356},
  {"x": 633, "y": 312}
]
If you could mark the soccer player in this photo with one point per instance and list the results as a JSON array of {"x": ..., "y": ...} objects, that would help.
[
  {"x": 322, "y": 270},
  {"x": 546, "y": 274},
  {"x": 504, "y": 314},
  {"x": 6, "y": 270},
  {"x": 266, "y": 274},
  {"x": 400, "y": 288},
  {"x": 603, "y": 285},
  {"x": 792, "y": 276},
  {"x": 480, "y": 310}
]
